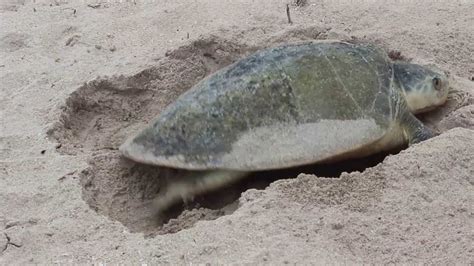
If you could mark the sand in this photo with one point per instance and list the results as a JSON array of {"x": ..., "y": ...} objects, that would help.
[{"x": 78, "y": 77}]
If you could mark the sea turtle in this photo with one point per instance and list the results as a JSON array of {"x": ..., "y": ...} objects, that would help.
[{"x": 286, "y": 106}]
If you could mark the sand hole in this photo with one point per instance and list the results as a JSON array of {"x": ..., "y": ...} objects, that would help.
[
  {"x": 102, "y": 113},
  {"x": 124, "y": 190}
]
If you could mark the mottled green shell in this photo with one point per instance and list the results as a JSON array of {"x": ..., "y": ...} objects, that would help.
[{"x": 280, "y": 107}]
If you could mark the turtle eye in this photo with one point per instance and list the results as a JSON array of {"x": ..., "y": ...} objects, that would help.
[{"x": 437, "y": 83}]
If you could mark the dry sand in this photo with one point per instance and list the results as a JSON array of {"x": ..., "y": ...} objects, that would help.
[{"x": 66, "y": 195}]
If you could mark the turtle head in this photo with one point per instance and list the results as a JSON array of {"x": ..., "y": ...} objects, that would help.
[{"x": 424, "y": 88}]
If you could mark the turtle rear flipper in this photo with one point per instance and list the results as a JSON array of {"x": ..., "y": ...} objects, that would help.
[{"x": 196, "y": 184}]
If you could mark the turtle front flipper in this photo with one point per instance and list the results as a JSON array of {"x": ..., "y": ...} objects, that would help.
[
  {"x": 196, "y": 184},
  {"x": 414, "y": 130}
]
